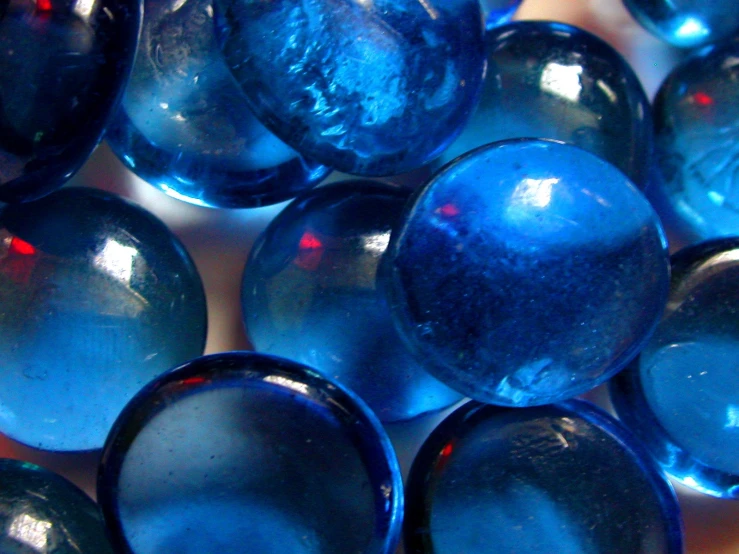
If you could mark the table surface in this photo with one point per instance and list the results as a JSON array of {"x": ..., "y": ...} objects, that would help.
[{"x": 219, "y": 242}]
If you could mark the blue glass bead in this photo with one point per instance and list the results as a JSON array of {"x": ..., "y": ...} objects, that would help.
[
  {"x": 63, "y": 66},
  {"x": 498, "y": 12},
  {"x": 310, "y": 294},
  {"x": 184, "y": 125},
  {"x": 552, "y": 80},
  {"x": 681, "y": 395},
  {"x": 696, "y": 114},
  {"x": 43, "y": 513},
  {"x": 240, "y": 452},
  {"x": 97, "y": 297},
  {"x": 561, "y": 478},
  {"x": 368, "y": 88},
  {"x": 687, "y": 23},
  {"x": 527, "y": 272}
]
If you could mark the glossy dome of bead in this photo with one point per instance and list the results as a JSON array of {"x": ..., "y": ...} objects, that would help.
[
  {"x": 368, "y": 88},
  {"x": 680, "y": 396},
  {"x": 527, "y": 272},
  {"x": 97, "y": 297},
  {"x": 184, "y": 125},
  {"x": 242, "y": 451},
  {"x": 555, "y": 81},
  {"x": 63, "y": 66}
]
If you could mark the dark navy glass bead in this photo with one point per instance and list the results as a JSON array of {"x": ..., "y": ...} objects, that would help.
[
  {"x": 560, "y": 478},
  {"x": 43, "y": 513},
  {"x": 697, "y": 135},
  {"x": 184, "y": 125},
  {"x": 310, "y": 294},
  {"x": 552, "y": 80},
  {"x": 498, "y": 12},
  {"x": 63, "y": 66},
  {"x": 97, "y": 297},
  {"x": 681, "y": 395},
  {"x": 240, "y": 452},
  {"x": 527, "y": 272},
  {"x": 368, "y": 88},
  {"x": 687, "y": 23}
]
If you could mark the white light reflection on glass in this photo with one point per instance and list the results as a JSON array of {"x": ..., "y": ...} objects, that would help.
[
  {"x": 732, "y": 417},
  {"x": 376, "y": 244},
  {"x": 535, "y": 193},
  {"x": 116, "y": 260},
  {"x": 287, "y": 383},
  {"x": 690, "y": 28},
  {"x": 562, "y": 80},
  {"x": 83, "y": 9},
  {"x": 31, "y": 531}
]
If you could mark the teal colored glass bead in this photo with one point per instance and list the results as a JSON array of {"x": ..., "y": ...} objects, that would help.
[
  {"x": 563, "y": 478},
  {"x": 554, "y": 81},
  {"x": 310, "y": 293},
  {"x": 184, "y": 125},
  {"x": 97, "y": 297},
  {"x": 43, "y": 513},
  {"x": 681, "y": 395},
  {"x": 243, "y": 452},
  {"x": 687, "y": 23},
  {"x": 63, "y": 67},
  {"x": 527, "y": 272},
  {"x": 368, "y": 88},
  {"x": 697, "y": 135}
]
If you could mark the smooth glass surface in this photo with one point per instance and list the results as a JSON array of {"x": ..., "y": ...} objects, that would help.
[
  {"x": 43, "y": 513},
  {"x": 310, "y": 294},
  {"x": 527, "y": 272},
  {"x": 97, "y": 297},
  {"x": 184, "y": 125},
  {"x": 368, "y": 88},
  {"x": 697, "y": 135},
  {"x": 687, "y": 23},
  {"x": 63, "y": 66},
  {"x": 681, "y": 396},
  {"x": 497, "y": 12},
  {"x": 560, "y": 478},
  {"x": 244, "y": 452},
  {"x": 552, "y": 80}
]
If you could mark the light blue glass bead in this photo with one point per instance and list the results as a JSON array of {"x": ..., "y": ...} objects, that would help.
[
  {"x": 368, "y": 88},
  {"x": 527, "y": 272},
  {"x": 43, "y": 513},
  {"x": 697, "y": 134},
  {"x": 184, "y": 125},
  {"x": 97, "y": 297},
  {"x": 561, "y": 478},
  {"x": 681, "y": 396},
  {"x": 552, "y": 80},
  {"x": 498, "y": 12},
  {"x": 687, "y": 23},
  {"x": 63, "y": 67},
  {"x": 243, "y": 452},
  {"x": 310, "y": 294}
]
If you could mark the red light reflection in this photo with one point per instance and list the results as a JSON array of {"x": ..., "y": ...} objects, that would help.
[
  {"x": 448, "y": 210},
  {"x": 310, "y": 251},
  {"x": 44, "y": 5},
  {"x": 20, "y": 246},
  {"x": 702, "y": 99}
]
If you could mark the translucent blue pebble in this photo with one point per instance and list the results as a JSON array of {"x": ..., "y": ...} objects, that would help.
[
  {"x": 497, "y": 12},
  {"x": 562, "y": 478},
  {"x": 527, "y": 272},
  {"x": 43, "y": 513},
  {"x": 242, "y": 452},
  {"x": 63, "y": 66},
  {"x": 697, "y": 135},
  {"x": 681, "y": 395},
  {"x": 184, "y": 125},
  {"x": 552, "y": 80},
  {"x": 369, "y": 88},
  {"x": 97, "y": 297},
  {"x": 310, "y": 293},
  {"x": 687, "y": 23}
]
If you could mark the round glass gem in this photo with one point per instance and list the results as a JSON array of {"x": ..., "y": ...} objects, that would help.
[
  {"x": 561, "y": 478},
  {"x": 63, "y": 66},
  {"x": 681, "y": 395},
  {"x": 368, "y": 88},
  {"x": 97, "y": 297},
  {"x": 687, "y": 23},
  {"x": 498, "y": 12},
  {"x": 696, "y": 113},
  {"x": 310, "y": 293},
  {"x": 552, "y": 80},
  {"x": 43, "y": 513},
  {"x": 527, "y": 272},
  {"x": 184, "y": 125},
  {"x": 240, "y": 451}
]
